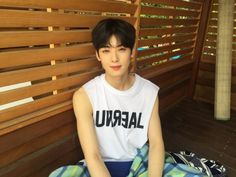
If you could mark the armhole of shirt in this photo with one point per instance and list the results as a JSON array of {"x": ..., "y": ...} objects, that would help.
[
  {"x": 86, "y": 90},
  {"x": 156, "y": 92}
]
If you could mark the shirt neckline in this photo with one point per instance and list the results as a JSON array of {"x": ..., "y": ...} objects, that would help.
[{"x": 127, "y": 92}]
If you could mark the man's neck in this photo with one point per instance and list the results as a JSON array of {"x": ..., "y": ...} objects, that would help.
[{"x": 121, "y": 83}]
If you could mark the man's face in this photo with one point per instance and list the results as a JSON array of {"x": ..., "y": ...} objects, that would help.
[{"x": 114, "y": 57}]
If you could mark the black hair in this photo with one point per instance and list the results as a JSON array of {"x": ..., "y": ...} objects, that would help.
[{"x": 122, "y": 30}]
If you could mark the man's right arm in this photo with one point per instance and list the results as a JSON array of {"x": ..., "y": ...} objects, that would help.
[{"x": 87, "y": 134}]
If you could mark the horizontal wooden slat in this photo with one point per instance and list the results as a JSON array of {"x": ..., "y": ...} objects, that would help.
[
  {"x": 168, "y": 12},
  {"x": 215, "y": 7},
  {"x": 212, "y": 59},
  {"x": 151, "y": 22},
  {"x": 17, "y": 111},
  {"x": 206, "y": 66},
  {"x": 46, "y": 71},
  {"x": 211, "y": 29},
  {"x": 206, "y": 74},
  {"x": 88, "y": 5},
  {"x": 210, "y": 66},
  {"x": 32, "y": 118},
  {"x": 161, "y": 31},
  {"x": 31, "y": 38},
  {"x": 150, "y": 60},
  {"x": 208, "y": 58},
  {"x": 175, "y": 88},
  {"x": 34, "y": 56},
  {"x": 171, "y": 78},
  {"x": 28, "y": 133},
  {"x": 204, "y": 93},
  {"x": 234, "y": 54},
  {"x": 71, "y": 157},
  {"x": 233, "y": 105},
  {"x": 162, "y": 40},
  {"x": 38, "y": 143},
  {"x": 165, "y": 67},
  {"x": 211, "y": 37},
  {"x": 213, "y": 51},
  {"x": 210, "y": 43},
  {"x": 165, "y": 48},
  {"x": 45, "y": 87},
  {"x": 37, "y": 160},
  {"x": 212, "y": 23},
  {"x": 206, "y": 82},
  {"x": 17, "y": 18},
  {"x": 209, "y": 50},
  {"x": 211, "y": 83},
  {"x": 176, "y": 95},
  {"x": 213, "y": 15},
  {"x": 234, "y": 79},
  {"x": 191, "y": 5}
]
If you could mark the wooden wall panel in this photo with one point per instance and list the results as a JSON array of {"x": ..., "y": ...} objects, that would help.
[
  {"x": 205, "y": 83},
  {"x": 11, "y": 140},
  {"x": 173, "y": 96},
  {"x": 67, "y": 159},
  {"x": 26, "y": 38},
  {"x": 43, "y": 145},
  {"x": 170, "y": 38},
  {"x": 46, "y": 44},
  {"x": 57, "y": 57},
  {"x": 91, "y": 5},
  {"x": 173, "y": 86}
]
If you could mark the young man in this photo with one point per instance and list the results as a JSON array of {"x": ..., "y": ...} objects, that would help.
[{"x": 117, "y": 112}]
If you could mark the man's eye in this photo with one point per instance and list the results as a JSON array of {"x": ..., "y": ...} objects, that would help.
[
  {"x": 122, "y": 49},
  {"x": 105, "y": 51}
]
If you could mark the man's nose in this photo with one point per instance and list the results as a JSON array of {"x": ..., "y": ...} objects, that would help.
[{"x": 115, "y": 57}]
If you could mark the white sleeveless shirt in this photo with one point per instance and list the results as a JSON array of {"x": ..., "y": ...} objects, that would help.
[{"x": 121, "y": 118}]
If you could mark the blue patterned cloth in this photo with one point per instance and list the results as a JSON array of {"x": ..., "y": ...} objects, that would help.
[{"x": 138, "y": 168}]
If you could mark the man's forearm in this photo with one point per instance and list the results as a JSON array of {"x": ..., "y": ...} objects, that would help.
[
  {"x": 156, "y": 160},
  {"x": 97, "y": 168}
]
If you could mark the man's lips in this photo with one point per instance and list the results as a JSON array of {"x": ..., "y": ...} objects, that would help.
[{"x": 115, "y": 67}]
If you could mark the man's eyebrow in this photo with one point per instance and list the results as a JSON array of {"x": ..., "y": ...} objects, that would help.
[{"x": 110, "y": 46}]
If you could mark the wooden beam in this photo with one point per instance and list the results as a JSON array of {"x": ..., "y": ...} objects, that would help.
[{"x": 206, "y": 9}]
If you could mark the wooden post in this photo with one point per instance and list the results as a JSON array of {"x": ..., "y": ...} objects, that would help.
[
  {"x": 201, "y": 33},
  {"x": 224, "y": 59},
  {"x": 137, "y": 27}
]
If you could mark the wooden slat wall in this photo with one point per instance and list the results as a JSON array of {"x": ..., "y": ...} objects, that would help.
[
  {"x": 205, "y": 85},
  {"x": 167, "y": 39},
  {"x": 47, "y": 45},
  {"x": 40, "y": 147}
]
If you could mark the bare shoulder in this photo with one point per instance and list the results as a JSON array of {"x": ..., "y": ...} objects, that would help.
[
  {"x": 80, "y": 94},
  {"x": 81, "y": 102}
]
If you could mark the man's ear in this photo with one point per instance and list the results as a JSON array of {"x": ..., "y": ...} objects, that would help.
[{"x": 97, "y": 55}]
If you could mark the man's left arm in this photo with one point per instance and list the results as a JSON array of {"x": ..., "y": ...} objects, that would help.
[{"x": 156, "y": 145}]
